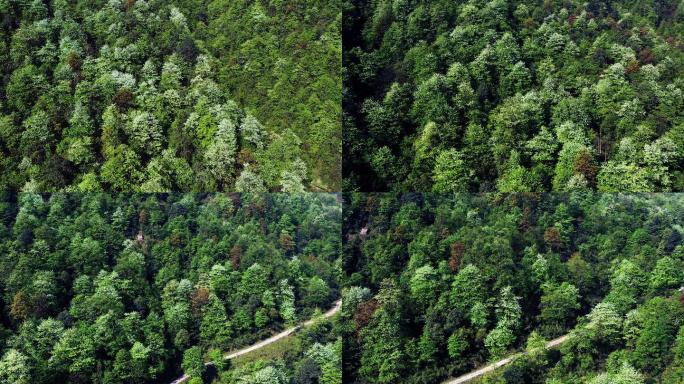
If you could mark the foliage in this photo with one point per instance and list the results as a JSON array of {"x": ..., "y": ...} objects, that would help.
[
  {"x": 137, "y": 288},
  {"x": 442, "y": 284},
  {"x": 153, "y": 96},
  {"x": 513, "y": 96}
]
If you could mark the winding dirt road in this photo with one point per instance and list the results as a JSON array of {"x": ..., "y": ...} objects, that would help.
[
  {"x": 330, "y": 313},
  {"x": 474, "y": 374}
]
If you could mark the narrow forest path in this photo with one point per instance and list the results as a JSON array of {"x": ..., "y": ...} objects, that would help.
[
  {"x": 330, "y": 313},
  {"x": 488, "y": 368}
]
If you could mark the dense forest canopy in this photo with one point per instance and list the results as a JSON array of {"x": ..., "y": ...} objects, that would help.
[
  {"x": 134, "y": 288},
  {"x": 436, "y": 285},
  {"x": 155, "y": 96},
  {"x": 513, "y": 96}
]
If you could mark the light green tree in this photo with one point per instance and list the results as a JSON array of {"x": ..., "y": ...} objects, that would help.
[
  {"x": 423, "y": 285},
  {"x": 14, "y": 368},
  {"x": 450, "y": 173}
]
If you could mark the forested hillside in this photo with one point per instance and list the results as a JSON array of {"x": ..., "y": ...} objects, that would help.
[
  {"x": 140, "y": 288},
  {"x": 437, "y": 285},
  {"x": 154, "y": 96},
  {"x": 513, "y": 96},
  {"x": 312, "y": 356}
]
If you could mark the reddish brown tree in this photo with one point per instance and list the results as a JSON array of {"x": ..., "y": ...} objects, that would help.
[
  {"x": 584, "y": 164},
  {"x": 456, "y": 254},
  {"x": 526, "y": 219},
  {"x": 123, "y": 99},
  {"x": 20, "y": 308},
  {"x": 552, "y": 237},
  {"x": 646, "y": 56},
  {"x": 235, "y": 256},
  {"x": 632, "y": 67},
  {"x": 364, "y": 313},
  {"x": 198, "y": 299},
  {"x": 143, "y": 217}
]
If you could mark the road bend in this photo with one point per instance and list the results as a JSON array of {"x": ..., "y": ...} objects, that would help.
[
  {"x": 231, "y": 355},
  {"x": 488, "y": 368}
]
